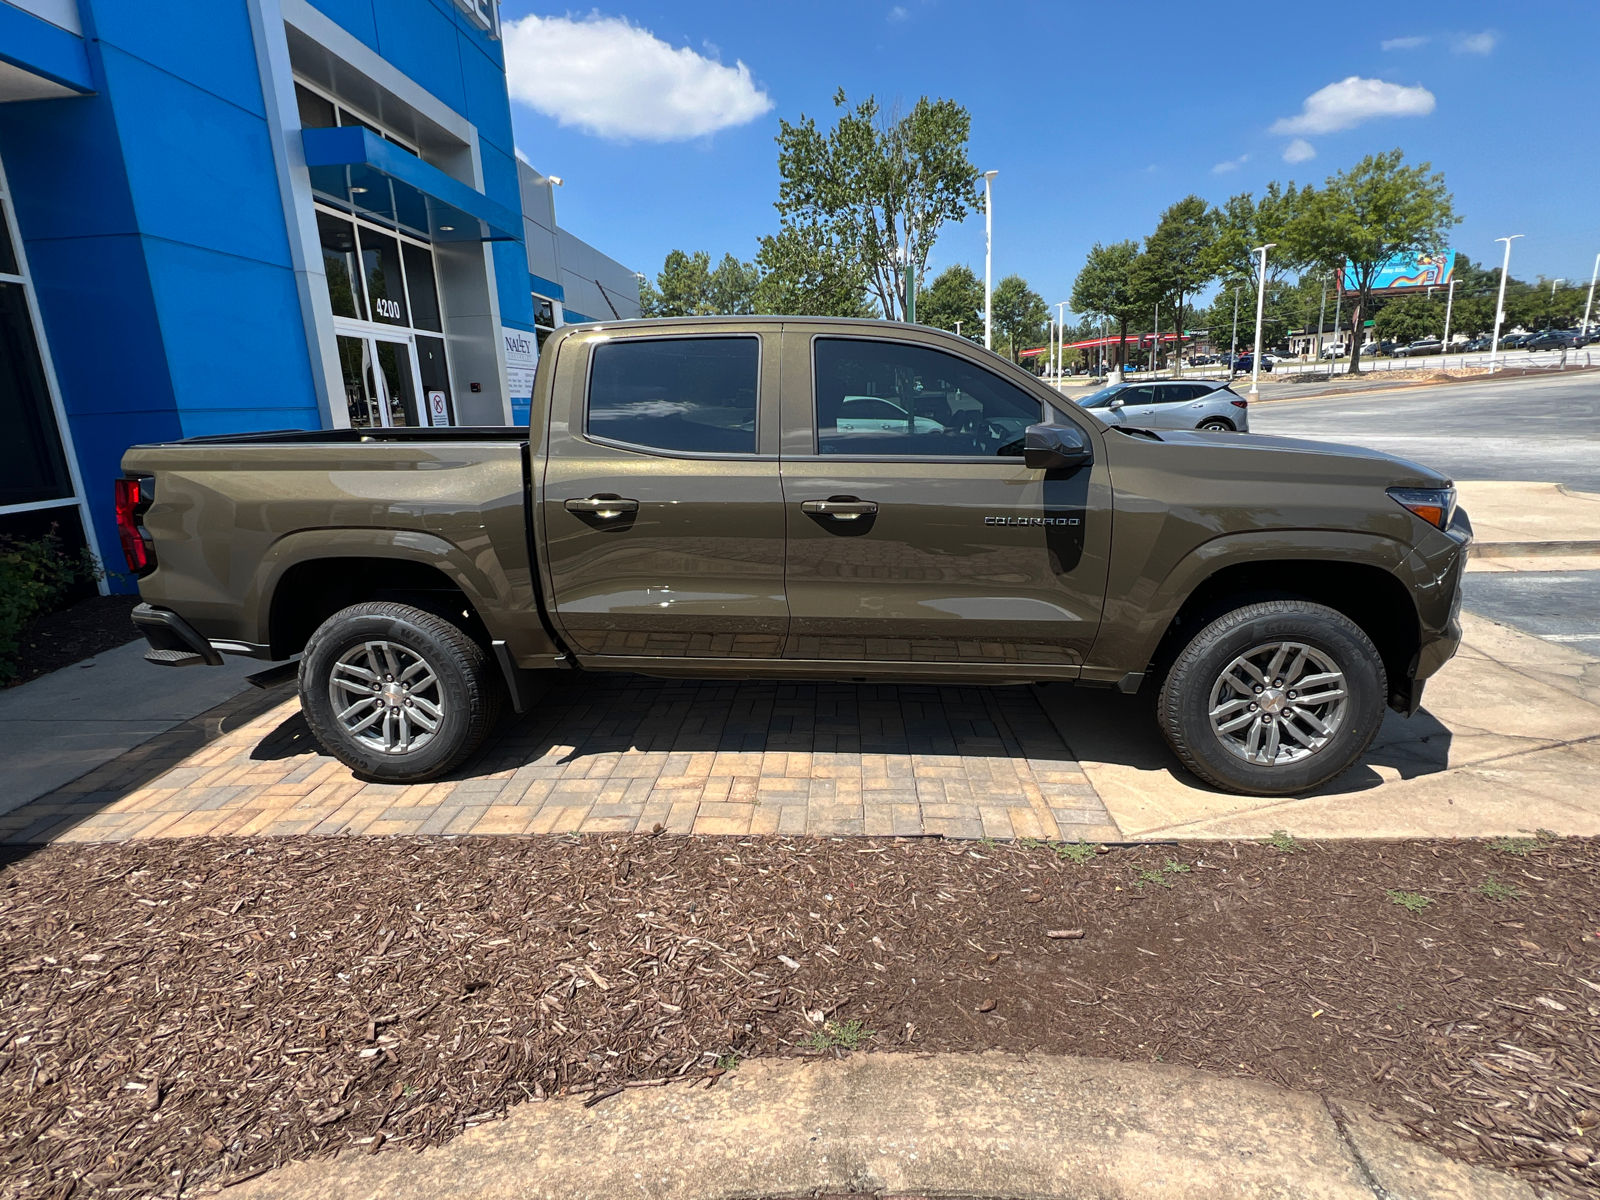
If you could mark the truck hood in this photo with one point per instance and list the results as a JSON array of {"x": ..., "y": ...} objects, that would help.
[{"x": 1238, "y": 451}]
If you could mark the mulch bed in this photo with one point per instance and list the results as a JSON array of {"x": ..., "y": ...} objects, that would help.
[
  {"x": 60, "y": 639},
  {"x": 176, "y": 1015}
]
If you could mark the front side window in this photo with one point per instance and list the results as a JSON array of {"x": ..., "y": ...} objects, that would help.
[
  {"x": 877, "y": 398},
  {"x": 694, "y": 395}
]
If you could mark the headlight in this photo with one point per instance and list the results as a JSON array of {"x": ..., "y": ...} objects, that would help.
[{"x": 1436, "y": 506}]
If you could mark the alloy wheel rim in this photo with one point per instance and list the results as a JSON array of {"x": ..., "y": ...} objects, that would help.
[
  {"x": 386, "y": 697},
  {"x": 1278, "y": 703}
]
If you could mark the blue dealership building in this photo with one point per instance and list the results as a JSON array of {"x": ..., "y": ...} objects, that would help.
[{"x": 228, "y": 215}]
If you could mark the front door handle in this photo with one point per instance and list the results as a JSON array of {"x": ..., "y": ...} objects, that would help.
[
  {"x": 840, "y": 508},
  {"x": 605, "y": 507}
]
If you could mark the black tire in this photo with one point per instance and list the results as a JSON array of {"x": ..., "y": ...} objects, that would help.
[
  {"x": 465, "y": 692},
  {"x": 1215, "y": 425},
  {"x": 1184, "y": 706}
]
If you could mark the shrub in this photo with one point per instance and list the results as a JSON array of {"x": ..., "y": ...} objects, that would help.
[{"x": 34, "y": 577}]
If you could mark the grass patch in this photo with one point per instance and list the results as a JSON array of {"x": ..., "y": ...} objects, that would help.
[
  {"x": 1281, "y": 840},
  {"x": 838, "y": 1035},
  {"x": 1519, "y": 846},
  {"x": 1412, "y": 902}
]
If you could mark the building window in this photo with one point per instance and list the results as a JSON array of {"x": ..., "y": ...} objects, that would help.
[
  {"x": 33, "y": 465},
  {"x": 318, "y": 111},
  {"x": 544, "y": 319}
]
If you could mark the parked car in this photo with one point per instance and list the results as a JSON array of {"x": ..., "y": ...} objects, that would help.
[
  {"x": 1420, "y": 347},
  {"x": 1555, "y": 339},
  {"x": 1514, "y": 341},
  {"x": 1246, "y": 363},
  {"x": 1171, "y": 404},
  {"x": 1336, "y": 350},
  {"x": 1379, "y": 346},
  {"x": 681, "y": 508},
  {"x": 1477, "y": 345}
]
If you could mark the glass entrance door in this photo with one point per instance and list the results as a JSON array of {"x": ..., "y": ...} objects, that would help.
[{"x": 381, "y": 384}]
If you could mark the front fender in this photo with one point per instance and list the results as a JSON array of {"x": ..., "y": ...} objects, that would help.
[{"x": 1145, "y": 602}]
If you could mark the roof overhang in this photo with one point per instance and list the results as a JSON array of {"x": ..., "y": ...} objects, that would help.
[
  {"x": 39, "y": 60},
  {"x": 375, "y": 178}
]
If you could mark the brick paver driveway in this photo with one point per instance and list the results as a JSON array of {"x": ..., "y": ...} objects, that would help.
[{"x": 618, "y": 753}]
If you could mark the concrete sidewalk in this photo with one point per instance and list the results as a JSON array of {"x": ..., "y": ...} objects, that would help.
[
  {"x": 1530, "y": 520},
  {"x": 61, "y": 726},
  {"x": 987, "y": 1126}
]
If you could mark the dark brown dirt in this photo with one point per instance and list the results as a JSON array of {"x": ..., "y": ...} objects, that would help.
[
  {"x": 188, "y": 1012},
  {"x": 60, "y": 639}
]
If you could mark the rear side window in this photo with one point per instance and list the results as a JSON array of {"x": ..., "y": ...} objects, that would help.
[
  {"x": 880, "y": 398},
  {"x": 694, "y": 395}
]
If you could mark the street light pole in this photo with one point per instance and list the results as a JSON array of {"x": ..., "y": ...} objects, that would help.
[
  {"x": 1500, "y": 303},
  {"x": 1449, "y": 308},
  {"x": 1590, "y": 303},
  {"x": 988, "y": 260},
  {"x": 1233, "y": 350},
  {"x": 1322, "y": 312},
  {"x": 1061, "y": 340},
  {"x": 1261, "y": 302}
]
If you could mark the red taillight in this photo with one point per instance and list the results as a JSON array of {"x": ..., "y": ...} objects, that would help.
[
  {"x": 1240, "y": 403},
  {"x": 130, "y": 507}
]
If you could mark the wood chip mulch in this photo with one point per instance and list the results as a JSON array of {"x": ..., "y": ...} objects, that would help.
[
  {"x": 59, "y": 639},
  {"x": 178, "y": 1015}
]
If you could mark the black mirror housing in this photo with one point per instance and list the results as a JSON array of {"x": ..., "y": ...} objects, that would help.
[{"x": 1055, "y": 448}]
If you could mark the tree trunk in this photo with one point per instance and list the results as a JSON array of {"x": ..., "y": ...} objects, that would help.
[{"x": 1355, "y": 333}]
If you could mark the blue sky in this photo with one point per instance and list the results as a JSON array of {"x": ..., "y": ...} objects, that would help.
[{"x": 1095, "y": 120}]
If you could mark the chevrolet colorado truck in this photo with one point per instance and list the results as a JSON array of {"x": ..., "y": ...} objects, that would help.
[{"x": 781, "y": 498}]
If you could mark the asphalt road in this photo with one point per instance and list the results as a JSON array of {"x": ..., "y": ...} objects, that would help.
[
  {"x": 1531, "y": 429},
  {"x": 1559, "y": 606}
]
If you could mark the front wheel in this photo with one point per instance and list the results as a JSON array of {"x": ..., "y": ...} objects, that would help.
[
  {"x": 397, "y": 694},
  {"x": 1274, "y": 699}
]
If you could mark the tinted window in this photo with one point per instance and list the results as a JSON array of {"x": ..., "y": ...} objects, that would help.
[
  {"x": 1139, "y": 395},
  {"x": 420, "y": 288},
  {"x": 8, "y": 256},
  {"x": 889, "y": 398},
  {"x": 341, "y": 264},
  {"x": 380, "y": 259},
  {"x": 32, "y": 464},
  {"x": 689, "y": 394}
]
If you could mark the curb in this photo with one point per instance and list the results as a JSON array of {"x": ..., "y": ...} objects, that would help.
[
  {"x": 983, "y": 1126},
  {"x": 1531, "y": 549}
]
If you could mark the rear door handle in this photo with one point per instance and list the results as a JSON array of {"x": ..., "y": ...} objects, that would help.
[
  {"x": 604, "y": 507},
  {"x": 839, "y": 510}
]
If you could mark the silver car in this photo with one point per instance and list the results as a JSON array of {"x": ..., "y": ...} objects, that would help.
[{"x": 1171, "y": 404}]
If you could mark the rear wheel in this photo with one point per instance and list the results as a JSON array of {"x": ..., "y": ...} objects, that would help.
[
  {"x": 397, "y": 694},
  {"x": 1274, "y": 699},
  {"x": 1216, "y": 425}
]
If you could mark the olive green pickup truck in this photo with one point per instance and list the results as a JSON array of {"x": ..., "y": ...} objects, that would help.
[{"x": 780, "y": 498}]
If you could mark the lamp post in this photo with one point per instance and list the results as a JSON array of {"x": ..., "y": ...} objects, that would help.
[
  {"x": 1061, "y": 340},
  {"x": 1590, "y": 303},
  {"x": 988, "y": 259},
  {"x": 1233, "y": 348},
  {"x": 1449, "y": 309},
  {"x": 1261, "y": 302},
  {"x": 1322, "y": 312},
  {"x": 1500, "y": 303}
]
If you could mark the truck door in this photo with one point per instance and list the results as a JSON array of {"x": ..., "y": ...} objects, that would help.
[
  {"x": 925, "y": 538},
  {"x": 663, "y": 522}
]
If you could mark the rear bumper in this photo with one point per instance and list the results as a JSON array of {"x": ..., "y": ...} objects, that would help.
[{"x": 173, "y": 641}]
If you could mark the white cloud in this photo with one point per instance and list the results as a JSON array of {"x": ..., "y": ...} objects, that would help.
[
  {"x": 1299, "y": 150},
  {"x": 1346, "y": 104},
  {"x": 1233, "y": 164},
  {"x": 1405, "y": 43},
  {"x": 1476, "y": 43},
  {"x": 898, "y": 13},
  {"x": 612, "y": 78}
]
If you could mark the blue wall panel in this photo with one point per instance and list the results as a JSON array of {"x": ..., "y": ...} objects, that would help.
[
  {"x": 235, "y": 340},
  {"x": 81, "y": 193},
  {"x": 200, "y": 169},
  {"x": 358, "y": 17},
  {"x": 423, "y": 42},
  {"x": 207, "y": 43}
]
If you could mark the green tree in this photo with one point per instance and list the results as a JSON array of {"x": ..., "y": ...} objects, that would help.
[
  {"x": 1020, "y": 315},
  {"x": 681, "y": 286},
  {"x": 956, "y": 296},
  {"x": 1176, "y": 261},
  {"x": 732, "y": 287},
  {"x": 1244, "y": 223},
  {"x": 1367, "y": 216},
  {"x": 877, "y": 187},
  {"x": 1108, "y": 287},
  {"x": 1406, "y": 319},
  {"x": 806, "y": 273}
]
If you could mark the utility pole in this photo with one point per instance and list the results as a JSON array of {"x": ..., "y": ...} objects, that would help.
[
  {"x": 1500, "y": 303},
  {"x": 1155, "y": 338},
  {"x": 988, "y": 260},
  {"x": 1061, "y": 341},
  {"x": 1261, "y": 302},
  {"x": 1321, "y": 313},
  {"x": 1338, "y": 300},
  {"x": 1590, "y": 304}
]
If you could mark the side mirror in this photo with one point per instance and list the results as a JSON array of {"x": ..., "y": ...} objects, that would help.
[
  {"x": 1117, "y": 402},
  {"x": 1055, "y": 448}
]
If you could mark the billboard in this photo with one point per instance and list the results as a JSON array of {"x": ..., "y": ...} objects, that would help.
[{"x": 1410, "y": 273}]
